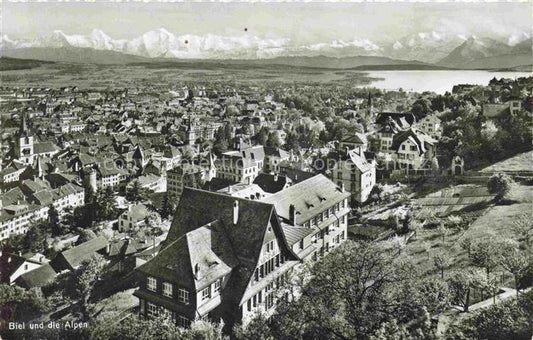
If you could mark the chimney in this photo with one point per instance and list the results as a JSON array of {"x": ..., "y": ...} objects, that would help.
[
  {"x": 275, "y": 177},
  {"x": 292, "y": 214},
  {"x": 235, "y": 211},
  {"x": 196, "y": 269}
]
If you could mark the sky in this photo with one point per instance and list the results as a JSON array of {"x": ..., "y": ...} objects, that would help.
[{"x": 302, "y": 23}]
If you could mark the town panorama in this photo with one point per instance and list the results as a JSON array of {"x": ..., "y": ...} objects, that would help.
[{"x": 292, "y": 197}]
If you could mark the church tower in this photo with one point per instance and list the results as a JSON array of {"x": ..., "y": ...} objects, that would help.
[
  {"x": 24, "y": 143},
  {"x": 191, "y": 132}
]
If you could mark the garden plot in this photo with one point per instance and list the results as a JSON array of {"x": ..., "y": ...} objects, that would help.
[{"x": 449, "y": 200}]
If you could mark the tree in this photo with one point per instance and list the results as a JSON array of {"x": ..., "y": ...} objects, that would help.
[
  {"x": 466, "y": 244},
  {"x": 273, "y": 140},
  {"x": 441, "y": 261},
  {"x": 53, "y": 221},
  {"x": 460, "y": 283},
  {"x": 263, "y": 135},
  {"x": 18, "y": 304},
  {"x": 443, "y": 231},
  {"x": 220, "y": 144},
  {"x": 433, "y": 294},
  {"x": 524, "y": 226},
  {"x": 406, "y": 223},
  {"x": 106, "y": 204},
  {"x": 168, "y": 205},
  {"x": 80, "y": 285},
  {"x": 421, "y": 107},
  {"x": 35, "y": 238},
  {"x": 135, "y": 192},
  {"x": 505, "y": 320},
  {"x": 350, "y": 294},
  {"x": 516, "y": 263},
  {"x": 500, "y": 185},
  {"x": 256, "y": 329},
  {"x": 156, "y": 328},
  {"x": 484, "y": 254}
]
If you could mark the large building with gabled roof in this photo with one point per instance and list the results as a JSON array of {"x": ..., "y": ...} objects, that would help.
[{"x": 225, "y": 257}]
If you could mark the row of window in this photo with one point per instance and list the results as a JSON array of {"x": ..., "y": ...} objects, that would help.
[
  {"x": 412, "y": 147},
  {"x": 404, "y": 156},
  {"x": 183, "y": 294},
  {"x": 154, "y": 310},
  {"x": 257, "y": 299},
  {"x": 268, "y": 266},
  {"x": 325, "y": 214}
]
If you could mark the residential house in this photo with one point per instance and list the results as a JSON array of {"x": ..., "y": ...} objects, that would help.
[
  {"x": 15, "y": 218},
  {"x": 431, "y": 125},
  {"x": 388, "y": 125},
  {"x": 133, "y": 218},
  {"x": 187, "y": 174},
  {"x": 203, "y": 271},
  {"x": 353, "y": 171},
  {"x": 321, "y": 208},
  {"x": 414, "y": 150}
]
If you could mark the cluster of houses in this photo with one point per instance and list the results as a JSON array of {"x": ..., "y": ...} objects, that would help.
[{"x": 246, "y": 220}]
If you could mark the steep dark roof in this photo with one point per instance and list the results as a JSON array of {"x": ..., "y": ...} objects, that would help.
[
  {"x": 198, "y": 208},
  {"x": 400, "y": 118},
  {"x": 179, "y": 261},
  {"x": 216, "y": 184}
]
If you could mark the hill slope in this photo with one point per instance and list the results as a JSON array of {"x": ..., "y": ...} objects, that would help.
[{"x": 73, "y": 55}]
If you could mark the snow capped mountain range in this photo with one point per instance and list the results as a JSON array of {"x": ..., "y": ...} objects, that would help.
[{"x": 429, "y": 47}]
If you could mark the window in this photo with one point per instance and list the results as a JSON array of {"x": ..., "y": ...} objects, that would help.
[
  {"x": 152, "y": 309},
  {"x": 152, "y": 284},
  {"x": 249, "y": 304},
  {"x": 183, "y": 321},
  {"x": 206, "y": 293},
  {"x": 183, "y": 296},
  {"x": 218, "y": 283},
  {"x": 413, "y": 148},
  {"x": 269, "y": 301},
  {"x": 167, "y": 289},
  {"x": 403, "y": 147}
]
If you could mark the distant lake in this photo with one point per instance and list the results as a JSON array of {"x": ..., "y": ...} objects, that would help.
[{"x": 436, "y": 81}]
